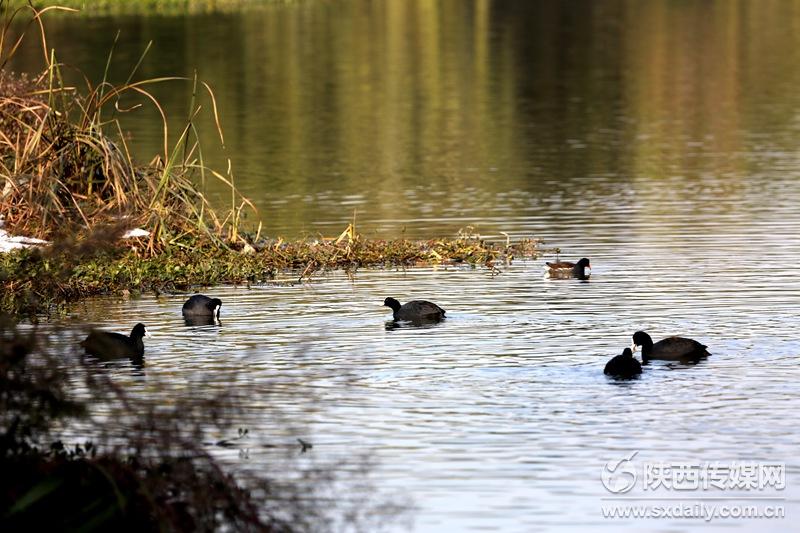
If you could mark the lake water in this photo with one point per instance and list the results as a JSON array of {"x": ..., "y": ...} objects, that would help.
[{"x": 659, "y": 139}]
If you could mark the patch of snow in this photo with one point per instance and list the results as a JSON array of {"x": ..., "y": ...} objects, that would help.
[
  {"x": 12, "y": 242},
  {"x": 136, "y": 232}
]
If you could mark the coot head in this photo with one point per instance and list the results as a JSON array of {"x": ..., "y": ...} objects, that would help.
[
  {"x": 392, "y": 303},
  {"x": 201, "y": 305},
  {"x": 139, "y": 331},
  {"x": 640, "y": 338}
]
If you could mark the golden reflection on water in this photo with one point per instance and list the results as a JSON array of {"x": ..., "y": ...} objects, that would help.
[{"x": 419, "y": 114}]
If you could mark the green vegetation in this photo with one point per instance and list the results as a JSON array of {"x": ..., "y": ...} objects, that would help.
[{"x": 37, "y": 281}]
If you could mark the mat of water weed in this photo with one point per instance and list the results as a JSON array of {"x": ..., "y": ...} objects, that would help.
[{"x": 36, "y": 281}]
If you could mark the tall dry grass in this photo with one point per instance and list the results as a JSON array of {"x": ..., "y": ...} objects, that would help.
[{"x": 65, "y": 165}]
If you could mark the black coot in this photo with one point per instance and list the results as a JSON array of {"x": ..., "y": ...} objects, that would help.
[
  {"x": 200, "y": 310},
  {"x": 624, "y": 365},
  {"x": 415, "y": 311},
  {"x": 109, "y": 345},
  {"x": 669, "y": 349}
]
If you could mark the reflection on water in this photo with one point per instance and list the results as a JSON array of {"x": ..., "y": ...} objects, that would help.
[
  {"x": 659, "y": 139},
  {"x": 392, "y": 325},
  {"x": 426, "y": 117}
]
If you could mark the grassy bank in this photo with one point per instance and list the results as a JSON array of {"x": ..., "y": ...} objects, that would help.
[
  {"x": 66, "y": 175},
  {"x": 36, "y": 282}
]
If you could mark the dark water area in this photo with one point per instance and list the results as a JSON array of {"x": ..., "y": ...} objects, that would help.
[{"x": 660, "y": 139}]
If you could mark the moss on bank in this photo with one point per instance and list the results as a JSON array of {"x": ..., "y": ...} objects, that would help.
[{"x": 38, "y": 281}]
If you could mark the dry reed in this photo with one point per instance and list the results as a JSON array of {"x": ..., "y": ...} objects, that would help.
[{"x": 65, "y": 168}]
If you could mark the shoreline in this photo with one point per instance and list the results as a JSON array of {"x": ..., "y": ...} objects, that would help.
[{"x": 42, "y": 281}]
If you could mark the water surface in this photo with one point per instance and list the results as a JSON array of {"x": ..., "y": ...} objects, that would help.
[{"x": 500, "y": 417}]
